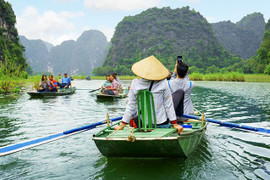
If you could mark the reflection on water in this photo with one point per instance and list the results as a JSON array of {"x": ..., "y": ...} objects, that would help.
[{"x": 223, "y": 154}]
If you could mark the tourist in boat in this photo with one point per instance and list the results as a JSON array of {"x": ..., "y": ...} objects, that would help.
[
  {"x": 107, "y": 84},
  {"x": 53, "y": 84},
  {"x": 116, "y": 77},
  {"x": 153, "y": 78},
  {"x": 180, "y": 80},
  {"x": 43, "y": 84},
  {"x": 113, "y": 89},
  {"x": 66, "y": 82}
]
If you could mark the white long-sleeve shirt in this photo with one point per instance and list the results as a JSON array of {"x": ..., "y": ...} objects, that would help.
[
  {"x": 187, "y": 86},
  {"x": 162, "y": 99}
]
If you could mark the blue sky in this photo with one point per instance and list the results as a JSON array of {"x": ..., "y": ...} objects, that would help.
[{"x": 55, "y": 21}]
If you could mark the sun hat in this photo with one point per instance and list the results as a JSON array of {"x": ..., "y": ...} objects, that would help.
[{"x": 150, "y": 68}]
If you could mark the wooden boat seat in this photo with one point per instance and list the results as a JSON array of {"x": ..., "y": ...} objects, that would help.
[{"x": 157, "y": 132}]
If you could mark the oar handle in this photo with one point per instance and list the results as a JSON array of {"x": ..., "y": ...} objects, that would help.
[
  {"x": 90, "y": 126},
  {"x": 95, "y": 90},
  {"x": 228, "y": 124}
]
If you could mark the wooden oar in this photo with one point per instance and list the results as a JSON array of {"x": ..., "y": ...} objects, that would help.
[
  {"x": 231, "y": 125},
  {"x": 35, "y": 142},
  {"x": 91, "y": 90},
  {"x": 95, "y": 90},
  {"x": 84, "y": 89}
]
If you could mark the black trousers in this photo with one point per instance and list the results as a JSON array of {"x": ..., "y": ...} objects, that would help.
[{"x": 178, "y": 102}]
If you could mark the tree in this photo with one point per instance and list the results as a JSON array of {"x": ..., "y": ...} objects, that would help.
[
  {"x": 212, "y": 69},
  {"x": 267, "y": 69},
  {"x": 98, "y": 71}
]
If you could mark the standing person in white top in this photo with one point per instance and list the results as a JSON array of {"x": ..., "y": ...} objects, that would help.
[
  {"x": 183, "y": 82},
  {"x": 152, "y": 70}
]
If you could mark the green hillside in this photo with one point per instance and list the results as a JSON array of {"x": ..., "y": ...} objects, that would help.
[
  {"x": 242, "y": 38},
  {"x": 165, "y": 33},
  {"x": 12, "y": 61},
  {"x": 260, "y": 63}
]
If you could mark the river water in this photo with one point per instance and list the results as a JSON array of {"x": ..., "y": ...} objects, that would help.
[{"x": 224, "y": 153}]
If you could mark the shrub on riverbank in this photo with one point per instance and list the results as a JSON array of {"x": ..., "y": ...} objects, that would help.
[
  {"x": 14, "y": 84},
  {"x": 230, "y": 76}
]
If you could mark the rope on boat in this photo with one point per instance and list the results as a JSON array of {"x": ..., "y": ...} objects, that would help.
[{"x": 131, "y": 137}]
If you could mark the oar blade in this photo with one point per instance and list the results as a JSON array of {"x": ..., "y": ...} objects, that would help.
[
  {"x": 28, "y": 144},
  {"x": 39, "y": 141}
]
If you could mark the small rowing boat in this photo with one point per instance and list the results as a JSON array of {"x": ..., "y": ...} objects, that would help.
[
  {"x": 159, "y": 142},
  {"x": 106, "y": 96},
  {"x": 61, "y": 92},
  {"x": 123, "y": 93}
]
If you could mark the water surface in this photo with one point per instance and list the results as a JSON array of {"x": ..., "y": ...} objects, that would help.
[{"x": 223, "y": 154}]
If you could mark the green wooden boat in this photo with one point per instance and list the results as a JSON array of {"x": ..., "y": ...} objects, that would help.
[
  {"x": 61, "y": 92},
  {"x": 160, "y": 142},
  {"x": 147, "y": 140}
]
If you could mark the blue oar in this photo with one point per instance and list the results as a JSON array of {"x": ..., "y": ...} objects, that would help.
[
  {"x": 35, "y": 142},
  {"x": 231, "y": 125}
]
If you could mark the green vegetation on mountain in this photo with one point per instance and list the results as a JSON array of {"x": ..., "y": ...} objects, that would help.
[
  {"x": 12, "y": 62},
  {"x": 260, "y": 63},
  {"x": 166, "y": 33},
  {"x": 243, "y": 38}
]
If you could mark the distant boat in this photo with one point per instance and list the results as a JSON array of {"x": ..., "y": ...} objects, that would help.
[
  {"x": 159, "y": 142},
  {"x": 106, "y": 96},
  {"x": 61, "y": 92},
  {"x": 123, "y": 93}
]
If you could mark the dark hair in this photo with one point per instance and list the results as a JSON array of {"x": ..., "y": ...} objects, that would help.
[
  {"x": 42, "y": 78},
  {"x": 114, "y": 75},
  {"x": 51, "y": 76},
  {"x": 108, "y": 75},
  {"x": 182, "y": 70}
]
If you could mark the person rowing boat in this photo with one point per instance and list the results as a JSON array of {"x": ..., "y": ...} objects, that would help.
[{"x": 153, "y": 77}]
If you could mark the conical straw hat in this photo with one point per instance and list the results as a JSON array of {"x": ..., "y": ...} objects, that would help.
[{"x": 150, "y": 68}]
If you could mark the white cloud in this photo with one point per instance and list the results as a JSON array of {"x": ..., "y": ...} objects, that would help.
[
  {"x": 49, "y": 26},
  {"x": 65, "y": 1},
  {"x": 193, "y": 1},
  {"x": 123, "y": 5},
  {"x": 108, "y": 31},
  {"x": 211, "y": 19}
]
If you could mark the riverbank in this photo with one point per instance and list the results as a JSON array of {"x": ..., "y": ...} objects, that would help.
[
  {"x": 15, "y": 84},
  {"x": 233, "y": 76}
]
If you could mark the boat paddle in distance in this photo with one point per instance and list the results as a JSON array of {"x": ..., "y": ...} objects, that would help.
[
  {"x": 6, "y": 150},
  {"x": 95, "y": 90}
]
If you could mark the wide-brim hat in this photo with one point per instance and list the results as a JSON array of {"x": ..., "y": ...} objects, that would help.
[{"x": 150, "y": 68}]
